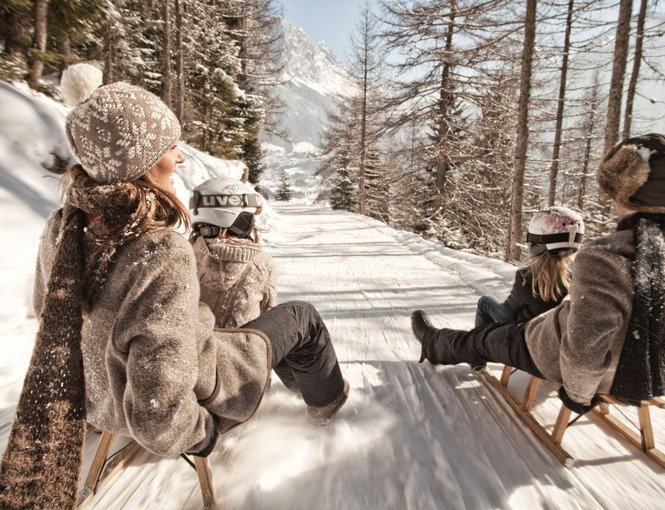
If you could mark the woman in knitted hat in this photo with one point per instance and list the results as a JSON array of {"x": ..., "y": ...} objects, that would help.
[
  {"x": 610, "y": 336},
  {"x": 123, "y": 342}
]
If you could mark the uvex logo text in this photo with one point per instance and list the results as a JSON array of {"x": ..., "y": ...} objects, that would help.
[{"x": 221, "y": 200}]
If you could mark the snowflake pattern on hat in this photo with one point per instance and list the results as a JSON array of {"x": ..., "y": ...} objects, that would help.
[{"x": 120, "y": 132}]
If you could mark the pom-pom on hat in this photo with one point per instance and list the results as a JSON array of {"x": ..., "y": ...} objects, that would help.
[
  {"x": 633, "y": 173},
  {"x": 78, "y": 82},
  {"x": 118, "y": 131}
]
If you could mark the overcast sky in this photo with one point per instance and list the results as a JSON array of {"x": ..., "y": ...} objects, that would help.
[{"x": 325, "y": 20}]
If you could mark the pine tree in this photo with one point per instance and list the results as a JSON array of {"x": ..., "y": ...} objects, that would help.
[
  {"x": 284, "y": 190},
  {"x": 377, "y": 187},
  {"x": 342, "y": 188}
]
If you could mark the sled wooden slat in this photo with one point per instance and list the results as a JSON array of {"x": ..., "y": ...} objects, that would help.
[
  {"x": 561, "y": 424},
  {"x": 505, "y": 375},
  {"x": 204, "y": 475},
  {"x": 531, "y": 392},
  {"x": 658, "y": 402},
  {"x": 98, "y": 461},
  {"x": 559, "y": 453},
  {"x": 645, "y": 425},
  {"x": 104, "y": 468},
  {"x": 643, "y": 438}
]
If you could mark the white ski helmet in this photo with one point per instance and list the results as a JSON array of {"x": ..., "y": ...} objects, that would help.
[
  {"x": 555, "y": 229},
  {"x": 224, "y": 203}
]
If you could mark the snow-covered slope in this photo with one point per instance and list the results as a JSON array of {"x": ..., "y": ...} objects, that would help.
[
  {"x": 410, "y": 436},
  {"x": 313, "y": 81}
]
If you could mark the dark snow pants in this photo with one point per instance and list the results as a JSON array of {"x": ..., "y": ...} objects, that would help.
[
  {"x": 500, "y": 343},
  {"x": 302, "y": 353}
]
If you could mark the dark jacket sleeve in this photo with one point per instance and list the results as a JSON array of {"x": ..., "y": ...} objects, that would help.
[{"x": 517, "y": 300}]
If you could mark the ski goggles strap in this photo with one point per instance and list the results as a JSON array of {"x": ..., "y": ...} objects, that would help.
[
  {"x": 553, "y": 238},
  {"x": 198, "y": 200}
]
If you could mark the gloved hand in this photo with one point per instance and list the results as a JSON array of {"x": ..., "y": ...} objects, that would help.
[
  {"x": 207, "y": 449},
  {"x": 575, "y": 406}
]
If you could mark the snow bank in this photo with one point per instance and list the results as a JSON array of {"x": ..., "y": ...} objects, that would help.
[{"x": 31, "y": 132}]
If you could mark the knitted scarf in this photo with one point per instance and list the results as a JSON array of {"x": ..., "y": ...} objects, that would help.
[
  {"x": 41, "y": 465},
  {"x": 640, "y": 374},
  {"x": 117, "y": 221}
]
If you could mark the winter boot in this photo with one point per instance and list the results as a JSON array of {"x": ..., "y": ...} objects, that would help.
[
  {"x": 423, "y": 330},
  {"x": 322, "y": 415}
]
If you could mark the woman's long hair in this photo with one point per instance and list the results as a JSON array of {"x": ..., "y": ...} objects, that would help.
[
  {"x": 121, "y": 212},
  {"x": 551, "y": 275},
  {"x": 142, "y": 202}
]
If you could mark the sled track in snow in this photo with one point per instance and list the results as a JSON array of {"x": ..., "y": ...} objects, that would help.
[{"x": 410, "y": 436}]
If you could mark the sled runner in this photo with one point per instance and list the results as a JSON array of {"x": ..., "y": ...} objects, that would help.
[
  {"x": 105, "y": 467},
  {"x": 642, "y": 439}
]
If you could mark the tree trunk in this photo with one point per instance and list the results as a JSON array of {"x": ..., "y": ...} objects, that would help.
[
  {"x": 109, "y": 50},
  {"x": 166, "y": 51},
  {"x": 40, "y": 17},
  {"x": 589, "y": 130},
  {"x": 445, "y": 109},
  {"x": 65, "y": 50},
  {"x": 513, "y": 252},
  {"x": 618, "y": 72},
  {"x": 634, "y": 76},
  {"x": 554, "y": 169},
  {"x": 362, "y": 203},
  {"x": 180, "y": 62}
]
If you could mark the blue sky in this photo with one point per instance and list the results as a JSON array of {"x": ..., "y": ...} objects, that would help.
[{"x": 325, "y": 20}]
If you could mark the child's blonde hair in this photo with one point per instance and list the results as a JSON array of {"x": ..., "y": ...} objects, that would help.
[{"x": 550, "y": 274}]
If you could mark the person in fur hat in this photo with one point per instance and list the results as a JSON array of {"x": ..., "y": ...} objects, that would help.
[
  {"x": 123, "y": 340},
  {"x": 610, "y": 336}
]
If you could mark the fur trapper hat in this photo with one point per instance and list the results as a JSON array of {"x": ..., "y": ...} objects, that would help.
[
  {"x": 118, "y": 131},
  {"x": 633, "y": 173}
]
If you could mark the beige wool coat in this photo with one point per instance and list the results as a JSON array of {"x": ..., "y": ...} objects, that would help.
[
  {"x": 154, "y": 367},
  {"x": 237, "y": 279},
  {"x": 579, "y": 342}
]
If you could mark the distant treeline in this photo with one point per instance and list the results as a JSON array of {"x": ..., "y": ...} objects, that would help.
[{"x": 472, "y": 114}]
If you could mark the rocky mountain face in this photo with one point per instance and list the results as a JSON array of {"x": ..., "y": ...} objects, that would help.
[{"x": 313, "y": 81}]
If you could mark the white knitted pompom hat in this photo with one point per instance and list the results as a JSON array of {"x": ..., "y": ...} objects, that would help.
[{"x": 120, "y": 131}]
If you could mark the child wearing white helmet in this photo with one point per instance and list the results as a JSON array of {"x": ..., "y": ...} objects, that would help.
[
  {"x": 553, "y": 236},
  {"x": 237, "y": 277}
]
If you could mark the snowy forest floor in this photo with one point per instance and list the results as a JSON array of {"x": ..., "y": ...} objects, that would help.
[{"x": 410, "y": 436}]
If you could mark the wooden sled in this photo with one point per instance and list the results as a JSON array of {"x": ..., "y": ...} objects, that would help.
[
  {"x": 104, "y": 468},
  {"x": 643, "y": 439}
]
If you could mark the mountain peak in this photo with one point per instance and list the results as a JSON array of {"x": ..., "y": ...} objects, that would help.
[{"x": 313, "y": 64}]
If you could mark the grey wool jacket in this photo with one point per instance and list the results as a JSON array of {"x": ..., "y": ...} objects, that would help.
[
  {"x": 154, "y": 366},
  {"x": 579, "y": 342},
  {"x": 237, "y": 279}
]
